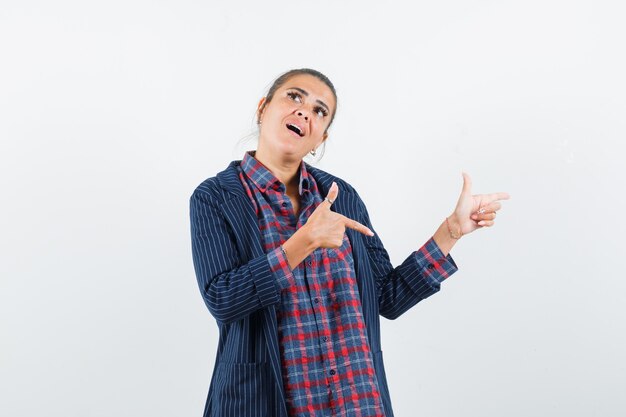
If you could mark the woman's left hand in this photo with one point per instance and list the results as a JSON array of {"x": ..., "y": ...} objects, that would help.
[{"x": 475, "y": 211}]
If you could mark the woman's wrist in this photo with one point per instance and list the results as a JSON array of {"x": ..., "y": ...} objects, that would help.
[
  {"x": 298, "y": 246},
  {"x": 443, "y": 237},
  {"x": 454, "y": 226}
]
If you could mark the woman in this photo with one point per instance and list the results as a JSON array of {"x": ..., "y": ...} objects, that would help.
[{"x": 289, "y": 266}]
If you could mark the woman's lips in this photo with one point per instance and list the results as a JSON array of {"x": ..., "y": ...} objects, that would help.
[
  {"x": 294, "y": 133},
  {"x": 296, "y": 127}
]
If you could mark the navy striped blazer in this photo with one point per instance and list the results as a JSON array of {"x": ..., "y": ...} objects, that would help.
[{"x": 239, "y": 290}]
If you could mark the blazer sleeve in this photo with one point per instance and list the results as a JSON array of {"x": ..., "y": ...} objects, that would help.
[
  {"x": 418, "y": 277},
  {"x": 231, "y": 289}
]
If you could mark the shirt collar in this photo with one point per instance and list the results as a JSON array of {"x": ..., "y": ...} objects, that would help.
[{"x": 263, "y": 177}]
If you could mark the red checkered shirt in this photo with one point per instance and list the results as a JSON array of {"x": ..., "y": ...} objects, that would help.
[{"x": 327, "y": 364}]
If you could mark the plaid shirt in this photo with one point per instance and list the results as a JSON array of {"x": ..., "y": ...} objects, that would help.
[{"x": 327, "y": 363}]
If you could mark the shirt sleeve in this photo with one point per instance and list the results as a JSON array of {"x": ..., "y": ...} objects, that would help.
[
  {"x": 279, "y": 266},
  {"x": 435, "y": 265}
]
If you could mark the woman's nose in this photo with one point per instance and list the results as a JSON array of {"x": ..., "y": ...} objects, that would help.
[{"x": 300, "y": 113}]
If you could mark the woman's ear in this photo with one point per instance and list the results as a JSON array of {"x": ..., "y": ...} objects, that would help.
[{"x": 259, "y": 110}]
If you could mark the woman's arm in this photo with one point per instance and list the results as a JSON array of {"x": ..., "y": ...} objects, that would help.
[
  {"x": 421, "y": 274},
  {"x": 231, "y": 290},
  {"x": 417, "y": 278}
]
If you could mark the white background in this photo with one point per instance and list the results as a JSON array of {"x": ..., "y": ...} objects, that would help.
[{"x": 111, "y": 113}]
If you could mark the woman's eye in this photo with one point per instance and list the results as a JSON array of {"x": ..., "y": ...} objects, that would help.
[
  {"x": 321, "y": 112},
  {"x": 294, "y": 96}
]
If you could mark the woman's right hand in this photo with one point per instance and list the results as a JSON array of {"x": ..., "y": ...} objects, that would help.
[{"x": 326, "y": 228}]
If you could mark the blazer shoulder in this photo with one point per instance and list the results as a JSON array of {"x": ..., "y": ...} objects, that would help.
[
  {"x": 216, "y": 188},
  {"x": 346, "y": 186},
  {"x": 326, "y": 179},
  {"x": 207, "y": 188}
]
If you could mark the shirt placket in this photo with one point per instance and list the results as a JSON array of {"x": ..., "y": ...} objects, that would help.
[{"x": 317, "y": 286}]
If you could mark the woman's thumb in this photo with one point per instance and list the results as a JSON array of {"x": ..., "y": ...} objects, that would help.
[
  {"x": 467, "y": 183},
  {"x": 333, "y": 191}
]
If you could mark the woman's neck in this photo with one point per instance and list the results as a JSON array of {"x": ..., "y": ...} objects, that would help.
[{"x": 286, "y": 172}]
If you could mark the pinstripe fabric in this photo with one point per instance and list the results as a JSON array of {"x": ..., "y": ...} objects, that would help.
[
  {"x": 326, "y": 360},
  {"x": 243, "y": 294}
]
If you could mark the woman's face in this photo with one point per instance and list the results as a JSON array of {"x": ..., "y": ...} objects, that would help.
[{"x": 293, "y": 123}]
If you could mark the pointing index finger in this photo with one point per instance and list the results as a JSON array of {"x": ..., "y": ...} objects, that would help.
[
  {"x": 353, "y": 224},
  {"x": 496, "y": 196}
]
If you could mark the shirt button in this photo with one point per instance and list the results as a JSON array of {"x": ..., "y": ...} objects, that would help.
[
  {"x": 431, "y": 266},
  {"x": 284, "y": 204},
  {"x": 317, "y": 300},
  {"x": 325, "y": 338},
  {"x": 332, "y": 372},
  {"x": 309, "y": 263}
]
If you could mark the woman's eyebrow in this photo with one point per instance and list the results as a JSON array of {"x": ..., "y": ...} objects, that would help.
[{"x": 306, "y": 94}]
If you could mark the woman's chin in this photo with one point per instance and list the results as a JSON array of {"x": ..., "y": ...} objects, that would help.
[
  {"x": 291, "y": 145},
  {"x": 288, "y": 146}
]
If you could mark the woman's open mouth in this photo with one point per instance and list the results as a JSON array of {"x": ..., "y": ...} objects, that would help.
[{"x": 295, "y": 129}]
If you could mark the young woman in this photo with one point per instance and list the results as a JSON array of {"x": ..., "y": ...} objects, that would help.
[{"x": 288, "y": 264}]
